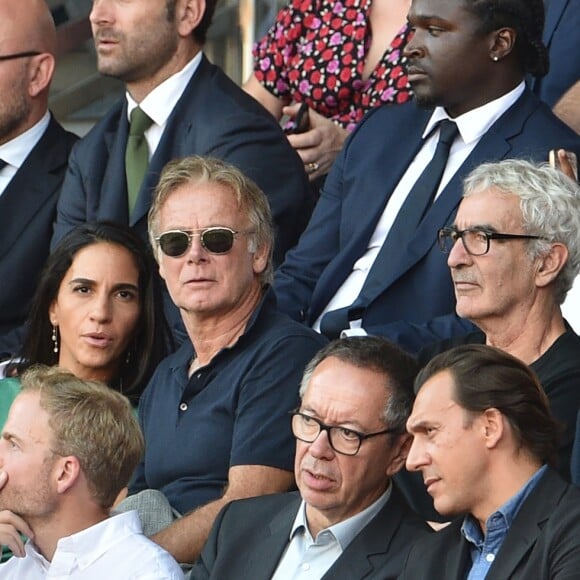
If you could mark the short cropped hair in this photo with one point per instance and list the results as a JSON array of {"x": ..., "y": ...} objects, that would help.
[
  {"x": 526, "y": 17},
  {"x": 484, "y": 378},
  {"x": 379, "y": 355},
  {"x": 550, "y": 205},
  {"x": 93, "y": 423},
  {"x": 250, "y": 198}
]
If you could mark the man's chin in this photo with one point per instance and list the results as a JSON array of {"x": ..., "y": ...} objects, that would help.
[{"x": 425, "y": 100}]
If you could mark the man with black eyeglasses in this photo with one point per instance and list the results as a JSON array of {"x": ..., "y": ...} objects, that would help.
[
  {"x": 215, "y": 413},
  {"x": 514, "y": 251},
  {"x": 348, "y": 521},
  {"x": 34, "y": 151}
]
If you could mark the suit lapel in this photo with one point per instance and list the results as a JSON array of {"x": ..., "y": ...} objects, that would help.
[
  {"x": 113, "y": 195},
  {"x": 553, "y": 16},
  {"x": 527, "y": 525},
  {"x": 274, "y": 540},
  {"x": 25, "y": 194},
  {"x": 374, "y": 540},
  {"x": 374, "y": 188}
]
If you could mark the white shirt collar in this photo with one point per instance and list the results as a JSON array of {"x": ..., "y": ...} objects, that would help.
[
  {"x": 159, "y": 103},
  {"x": 87, "y": 546},
  {"x": 345, "y": 531},
  {"x": 475, "y": 123},
  {"x": 17, "y": 150}
]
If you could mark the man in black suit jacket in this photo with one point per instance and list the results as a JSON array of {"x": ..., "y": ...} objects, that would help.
[
  {"x": 361, "y": 207},
  {"x": 34, "y": 150},
  {"x": 483, "y": 436},
  {"x": 348, "y": 521},
  {"x": 155, "y": 48}
]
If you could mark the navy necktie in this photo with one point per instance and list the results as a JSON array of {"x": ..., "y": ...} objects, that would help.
[
  {"x": 3, "y": 164},
  {"x": 414, "y": 208}
]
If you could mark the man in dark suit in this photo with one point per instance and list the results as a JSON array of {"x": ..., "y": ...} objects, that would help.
[
  {"x": 483, "y": 437},
  {"x": 368, "y": 260},
  {"x": 34, "y": 150},
  {"x": 155, "y": 47},
  {"x": 348, "y": 521}
]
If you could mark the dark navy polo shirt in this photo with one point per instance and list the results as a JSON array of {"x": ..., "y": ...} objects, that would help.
[{"x": 234, "y": 411}]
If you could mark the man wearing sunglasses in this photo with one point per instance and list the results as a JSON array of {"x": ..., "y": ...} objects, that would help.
[
  {"x": 34, "y": 150},
  {"x": 215, "y": 414},
  {"x": 514, "y": 251},
  {"x": 177, "y": 103},
  {"x": 348, "y": 520}
]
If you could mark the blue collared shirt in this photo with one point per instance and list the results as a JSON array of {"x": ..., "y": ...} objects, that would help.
[{"x": 484, "y": 549}]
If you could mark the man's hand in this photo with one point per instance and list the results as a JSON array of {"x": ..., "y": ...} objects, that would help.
[
  {"x": 11, "y": 526},
  {"x": 318, "y": 146}
]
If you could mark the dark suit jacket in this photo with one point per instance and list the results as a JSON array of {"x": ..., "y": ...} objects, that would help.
[
  {"x": 417, "y": 287},
  {"x": 543, "y": 542},
  {"x": 27, "y": 212},
  {"x": 250, "y": 536},
  {"x": 213, "y": 117},
  {"x": 561, "y": 38}
]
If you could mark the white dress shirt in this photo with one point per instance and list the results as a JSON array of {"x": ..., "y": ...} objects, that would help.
[
  {"x": 306, "y": 558},
  {"x": 472, "y": 126},
  {"x": 161, "y": 101},
  {"x": 15, "y": 152},
  {"x": 114, "y": 549}
]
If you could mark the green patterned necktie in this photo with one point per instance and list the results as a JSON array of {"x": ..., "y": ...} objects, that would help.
[{"x": 136, "y": 154}]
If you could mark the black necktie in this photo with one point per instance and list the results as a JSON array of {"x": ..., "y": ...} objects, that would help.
[
  {"x": 3, "y": 164},
  {"x": 136, "y": 154},
  {"x": 414, "y": 208}
]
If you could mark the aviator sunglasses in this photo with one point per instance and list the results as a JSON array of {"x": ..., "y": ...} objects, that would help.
[{"x": 216, "y": 240}]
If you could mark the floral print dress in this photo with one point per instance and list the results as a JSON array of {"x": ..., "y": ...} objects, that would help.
[{"x": 315, "y": 52}]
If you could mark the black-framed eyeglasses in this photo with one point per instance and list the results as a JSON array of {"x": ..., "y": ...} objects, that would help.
[
  {"x": 342, "y": 439},
  {"x": 475, "y": 241},
  {"x": 216, "y": 240},
  {"x": 19, "y": 55}
]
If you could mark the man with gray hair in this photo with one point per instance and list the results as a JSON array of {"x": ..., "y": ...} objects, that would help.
[
  {"x": 215, "y": 413},
  {"x": 347, "y": 521},
  {"x": 68, "y": 448},
  {"x": 514, "y": 251}
]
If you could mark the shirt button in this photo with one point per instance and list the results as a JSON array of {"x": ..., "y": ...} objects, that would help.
[
  {"x": 306, "y": 567},
  {"x": 490, "y": 557},
  {"x": 183, "y": 407}
]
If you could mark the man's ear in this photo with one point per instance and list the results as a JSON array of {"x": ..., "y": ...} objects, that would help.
[
  {"x": 400, "y": 451},
  {"x": 188, "y": 15},
  {"x": 551, "y": 264},
  {"x": 502, "y": 42},
  {"x": 67, "y": 472},
  {"x": 492, "y": 425},
  {"x": 40, "y": 71}
]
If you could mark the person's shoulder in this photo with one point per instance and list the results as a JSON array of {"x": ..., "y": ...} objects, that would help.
[
  {"x": 151, "y": 561},
  {"x": 224, "y": 97},
  {"x": 263, "y": 507},
  {"x": 540, "y": 114}
]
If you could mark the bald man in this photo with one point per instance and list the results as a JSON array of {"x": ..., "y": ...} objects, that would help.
[{"x": 34, "y": 151}]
